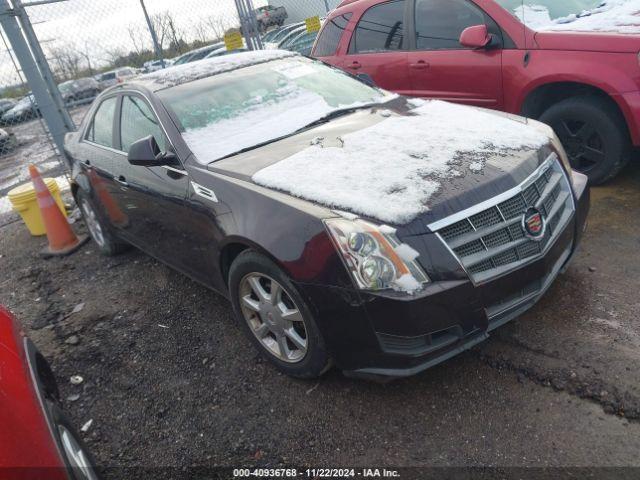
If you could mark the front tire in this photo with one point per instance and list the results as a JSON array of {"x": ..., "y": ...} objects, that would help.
[
  {"x": 98, "y": 229},
  {"x": 275, "y": 317},
  {"x": 593, "y": 133}
]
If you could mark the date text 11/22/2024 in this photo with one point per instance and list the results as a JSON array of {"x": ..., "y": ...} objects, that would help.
[{"x": 316, "y": 473}]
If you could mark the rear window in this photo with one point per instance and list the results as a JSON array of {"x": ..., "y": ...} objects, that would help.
[
  {"x": 108, "y": 76},
  {"x": 330, "y": 36},
  {"x": 380, "y": 29}
]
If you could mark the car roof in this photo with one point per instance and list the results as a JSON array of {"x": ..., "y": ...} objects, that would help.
[{"x": 208, "y": 67}]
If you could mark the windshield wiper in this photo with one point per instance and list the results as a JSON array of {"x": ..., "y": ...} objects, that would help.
[
  {"x": 325, "y": 119},
  {"x": 333, "y": 115}
]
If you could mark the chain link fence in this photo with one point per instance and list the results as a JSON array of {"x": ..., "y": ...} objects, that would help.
[{"x": 87, "y": 46}]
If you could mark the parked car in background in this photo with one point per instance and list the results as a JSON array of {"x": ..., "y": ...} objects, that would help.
[
  {"x": 288, "y": 39},
  {"x": 155, "y": 65},
  {"x": 198, "y": 54},
  {"x": 573, "y": 65},
  {"x": 25, "y": 109},
  {"x": 77, "y": 92},
  {"x": 37, "y": 440},
  {"x": 223, "y": 51},
  {"x": 6, "y": 104},
  {"x": 302, "y": 43},
  {"x": 268, "y": 36},
  {"x": 269, "y": 16},
  {"x": 113, "y": 77},
  {"x": 7, "y": 142},
  {"x": 273, "y": 41},
  {"x": 449, "y": 222}
]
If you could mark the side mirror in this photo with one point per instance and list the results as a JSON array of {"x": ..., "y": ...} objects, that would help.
[
  {"x": 146, "y": 153},
  {"x": 475, "y": 37}
]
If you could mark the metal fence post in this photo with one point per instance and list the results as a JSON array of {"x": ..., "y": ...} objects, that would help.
[
  {"x": 157, "y": 47},
  {"x": 42, "y": 63},
  {"x": 249, "y": 24},
  {"x": 53, "y": 116}
]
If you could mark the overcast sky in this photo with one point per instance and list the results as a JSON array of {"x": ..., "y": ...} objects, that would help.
[{"x": 103, "y": 24}]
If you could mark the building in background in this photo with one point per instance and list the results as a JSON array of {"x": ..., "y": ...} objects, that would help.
[{"x": 298, "y": 10}]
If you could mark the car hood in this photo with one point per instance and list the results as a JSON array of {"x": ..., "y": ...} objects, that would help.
[
  {"x": 468, "y": 179},
  {"x": 611, "y": 42}
]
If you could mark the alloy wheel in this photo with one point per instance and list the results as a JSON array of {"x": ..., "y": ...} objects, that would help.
[
  {"x": 273, "y": 317},
  {"x": 583, "y": 143},
  {"x": 93, "y": 224},
  {"x": 77, "y": 458}
]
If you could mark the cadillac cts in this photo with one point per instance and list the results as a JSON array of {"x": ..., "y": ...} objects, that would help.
[{"x": 347, "y": 225}]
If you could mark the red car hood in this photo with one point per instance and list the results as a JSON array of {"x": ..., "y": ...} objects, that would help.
[{"x": 611, "y": 42}]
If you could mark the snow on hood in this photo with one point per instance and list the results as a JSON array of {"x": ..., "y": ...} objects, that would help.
[
  {"x": 621, "y": 16},
  {"x": 189, "y": 72},
  {"x": 390, "y": 170}
]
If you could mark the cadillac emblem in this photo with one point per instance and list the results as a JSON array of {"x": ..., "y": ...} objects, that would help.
[{"x": 533, "y": 224}]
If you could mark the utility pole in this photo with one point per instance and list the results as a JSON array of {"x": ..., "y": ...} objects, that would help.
[{"x": 154, "y": 37}]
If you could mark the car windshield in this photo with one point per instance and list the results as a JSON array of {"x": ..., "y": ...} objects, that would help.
[
  {"x": 573, "y": 14},
  {"x": 238, "y": 110},
  {"x": 66, "y": 87}
]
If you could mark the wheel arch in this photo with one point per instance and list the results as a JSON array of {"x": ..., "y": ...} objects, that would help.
[
  {"x": 543, "y": 96},
  {"x": 236, "y": 246}
]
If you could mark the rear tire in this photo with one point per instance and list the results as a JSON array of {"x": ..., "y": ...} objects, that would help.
[
  {"x": 594, "y": 134},
  {"x": 98, "y": 227},
  {"x": 279, "y": 324}
]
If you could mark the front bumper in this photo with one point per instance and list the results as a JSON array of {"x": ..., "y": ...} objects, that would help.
[{"x": 386, "y": 335}]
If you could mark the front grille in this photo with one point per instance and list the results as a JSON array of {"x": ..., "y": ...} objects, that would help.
[{"x": 492, "y": 241}]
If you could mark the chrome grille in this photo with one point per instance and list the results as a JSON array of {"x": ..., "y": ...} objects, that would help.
[{"x": 491, "y": 241}]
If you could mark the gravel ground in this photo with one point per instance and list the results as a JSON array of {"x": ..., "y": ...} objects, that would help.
[{"x": 171, "y": 381}]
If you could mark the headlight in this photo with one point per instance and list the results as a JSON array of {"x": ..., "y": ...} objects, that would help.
[
  {"x": 375, "y": 257},
  {"x": 556, "y": 143}
]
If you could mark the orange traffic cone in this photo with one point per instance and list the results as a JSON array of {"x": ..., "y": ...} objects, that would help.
[{"x": 62, "y": 240}]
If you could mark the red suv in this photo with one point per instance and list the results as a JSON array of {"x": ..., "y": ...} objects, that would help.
[{"x": 585, "y": 84}]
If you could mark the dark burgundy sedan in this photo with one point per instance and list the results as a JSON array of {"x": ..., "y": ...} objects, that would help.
[{"x": 346, "y": 224}]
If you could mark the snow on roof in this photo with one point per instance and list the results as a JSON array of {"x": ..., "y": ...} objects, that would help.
[
  {"x": 611, "y": 16},
  {"x": 189, "y": 72},
  {"x": 389, "y": 171}
]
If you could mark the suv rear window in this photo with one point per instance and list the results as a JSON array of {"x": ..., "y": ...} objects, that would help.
[
  {"x": 330, "y": 36},
  {"x": 381, "y": 28}
]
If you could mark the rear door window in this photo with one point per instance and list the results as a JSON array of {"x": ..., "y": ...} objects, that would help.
[
  {"x": 380, "y": 29},
  {"x": 138, "y": 121},
  {"x": 101, "y": 129},
  {"x": 439, "y": 23},
  {"x": 330, "y": 36}
]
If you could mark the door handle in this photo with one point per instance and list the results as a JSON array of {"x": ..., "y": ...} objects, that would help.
[
  {"x": 355, "y": 66},
  {"x": 121, "y": 180},
  {"x": 420, "y": 65},
  {"x": 87, "y": 164}
]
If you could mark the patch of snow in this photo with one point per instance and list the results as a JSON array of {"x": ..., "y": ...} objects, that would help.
[
  {"x": 5, "y": 205},
  {"x": 621, "y": 16},
  {"x": 208, "y": 67},
  {"x": 63, "y": 183},
  {"x": 406, "y": 253},
  {"x": 476, "y": 167},
  {"x": 292, "y": 109},
  {"x": 389, "y": 171},
  {"x": 407, "y": 284},
  {"x": 387, "y": 230}
]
